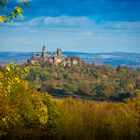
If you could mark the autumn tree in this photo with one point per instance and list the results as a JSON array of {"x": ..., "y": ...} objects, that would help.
[
  {"x": 22, "y": 109},
  {"x": 17, "y": 11}
]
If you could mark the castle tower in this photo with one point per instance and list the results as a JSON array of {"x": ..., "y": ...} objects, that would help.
[
  {"x": 43, "y": 52},
  {"x": 59, "y": 51}
]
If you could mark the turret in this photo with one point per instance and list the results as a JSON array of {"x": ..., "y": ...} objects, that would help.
[
  {"x": 43, "y": 52},
  {"x": 59, "y": 51}
]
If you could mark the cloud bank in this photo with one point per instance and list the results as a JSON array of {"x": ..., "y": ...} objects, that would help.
[{"x": 75, "y": 25}]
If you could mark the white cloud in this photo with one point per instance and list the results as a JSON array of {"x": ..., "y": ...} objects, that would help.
[
  {"x": 77, "y": 34},
  {"x": 23, "y": 0},
  {"x": 122, "y": 25},
  {"x": 61, "y": 21},
  {"x": 68, "y": 21},
  {"x": 78, "y": 22},
  {"x": 80, "y": 27},
  {"x": 56, "y": 22}
]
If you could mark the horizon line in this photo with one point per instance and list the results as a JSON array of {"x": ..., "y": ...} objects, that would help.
[{"x": 68, "y": 52}]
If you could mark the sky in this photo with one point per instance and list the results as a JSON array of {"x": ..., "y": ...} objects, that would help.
[{"x": 74, "y": 25}]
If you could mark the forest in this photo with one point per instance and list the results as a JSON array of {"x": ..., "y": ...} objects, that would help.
[
  {"x": 86, "y": 81},
  {"x": 29, "y": 111}
]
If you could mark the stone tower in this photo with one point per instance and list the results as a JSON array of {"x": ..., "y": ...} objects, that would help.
[
  {"x": 59, "y": 51},
  {"x": 43, "y": 52}
]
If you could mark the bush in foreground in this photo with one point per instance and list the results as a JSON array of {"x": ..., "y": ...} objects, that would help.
[{"x": 82, "y": 120}]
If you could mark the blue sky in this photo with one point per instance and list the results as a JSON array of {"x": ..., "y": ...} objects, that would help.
[{"x": 75, "y": 25}]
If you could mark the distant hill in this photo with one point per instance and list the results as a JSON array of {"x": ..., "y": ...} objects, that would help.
[{"x": 114, "y": 59}]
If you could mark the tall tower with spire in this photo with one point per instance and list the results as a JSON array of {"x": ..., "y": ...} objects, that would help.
[
  {"x": 59, "y": 52},
  {"x": 43, "y": 52}
]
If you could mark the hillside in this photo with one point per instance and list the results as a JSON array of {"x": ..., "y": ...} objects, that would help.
[{"x": 86, "y": 81}]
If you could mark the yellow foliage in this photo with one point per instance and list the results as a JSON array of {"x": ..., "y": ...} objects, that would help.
[
  {"x": 2, "y": 19},
  {"x": 19, "y": 9},
  {"x": 8, "y": 68},
  {"x": 1, "y": 75},
  {"x": 87, "y": 120},
  {"x": 19, "y": 103},
  {"x": 43, "y": 118}
]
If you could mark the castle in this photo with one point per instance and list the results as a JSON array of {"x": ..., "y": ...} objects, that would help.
[{"x": 54, "y": 58}]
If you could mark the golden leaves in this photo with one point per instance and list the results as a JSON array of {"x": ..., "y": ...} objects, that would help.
[
  {"x": 2, "y": 19},
  {"x": 1, "y": 75},
  {"x": 10, "y": 16}
]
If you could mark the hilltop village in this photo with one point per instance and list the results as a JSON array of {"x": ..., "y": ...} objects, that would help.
[{"x": 54, "y": 58}]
